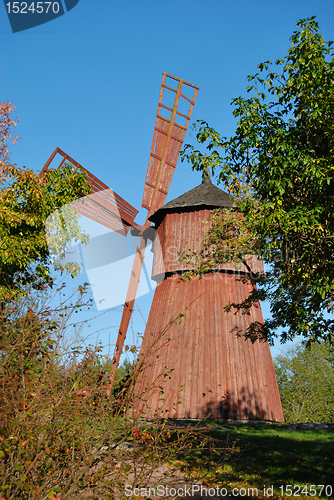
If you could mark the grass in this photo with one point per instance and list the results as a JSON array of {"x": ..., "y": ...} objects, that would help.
[{"x": 265, "y": 455}]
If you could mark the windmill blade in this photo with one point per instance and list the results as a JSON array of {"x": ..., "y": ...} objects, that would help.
[
  {"x": 168, "y": 137},
  {"x": 105, "y": 206},
  {"x": 176, "y": 103}
]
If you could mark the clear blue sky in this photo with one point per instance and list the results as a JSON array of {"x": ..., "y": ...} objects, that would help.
[{"x": 89, "y": 81}]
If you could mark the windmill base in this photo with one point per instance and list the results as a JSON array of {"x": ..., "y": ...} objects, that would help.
[{"x": 194, "y": 364}]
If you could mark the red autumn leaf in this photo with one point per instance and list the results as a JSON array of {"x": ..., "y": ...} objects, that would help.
[{"x": 137, "y": 432}]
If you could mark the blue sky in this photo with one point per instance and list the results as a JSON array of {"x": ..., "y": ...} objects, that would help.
[{"x": 89, "y": 81}]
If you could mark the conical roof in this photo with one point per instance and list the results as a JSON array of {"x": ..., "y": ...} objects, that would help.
[{"x": 204, "y": 195}]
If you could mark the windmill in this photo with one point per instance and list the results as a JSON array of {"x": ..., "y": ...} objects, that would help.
[
  {"x": 206, "y": 367},
  {"x": 198, "y": 367}
]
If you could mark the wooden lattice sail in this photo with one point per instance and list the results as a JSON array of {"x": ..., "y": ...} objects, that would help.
[
  {"x": 105, "y": 206},
  {"x": 176, "y": 103}
]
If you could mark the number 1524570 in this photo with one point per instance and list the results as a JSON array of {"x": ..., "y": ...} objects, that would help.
[{"x": 32, "y": 7}]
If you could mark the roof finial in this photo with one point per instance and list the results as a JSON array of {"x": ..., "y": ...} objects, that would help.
[{"x": 206, "y": 173}]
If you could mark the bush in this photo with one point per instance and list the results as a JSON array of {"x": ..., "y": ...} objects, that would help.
[{"x": 59, "y": 434}]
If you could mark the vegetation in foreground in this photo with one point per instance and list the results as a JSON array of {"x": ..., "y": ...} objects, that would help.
[{"x": 60, "y": 436}]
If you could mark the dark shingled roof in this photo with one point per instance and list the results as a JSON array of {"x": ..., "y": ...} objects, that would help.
[{"x": 204, "y": 195}]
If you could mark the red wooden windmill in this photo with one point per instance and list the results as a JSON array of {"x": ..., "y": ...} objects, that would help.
[
  {"x": 198, "y": 367},
  {"x": 213, "y": 372}
]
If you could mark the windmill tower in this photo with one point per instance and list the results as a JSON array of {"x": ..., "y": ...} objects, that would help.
[
  {"x": 213, "y": 371},
  {"x": 198, "y": 367}
]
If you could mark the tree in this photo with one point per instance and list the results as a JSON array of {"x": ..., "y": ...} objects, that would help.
[
  {"x": 279, "y": 166},
  {"x": 26, "y": 201},
  {"x": 305, "y": 378}
]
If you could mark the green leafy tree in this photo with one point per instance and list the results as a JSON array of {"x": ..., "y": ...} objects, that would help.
[
  {"x": 305, "y": 377},
  {"x": 279, "y": 166},
  {"x": 26, "y": 201}
]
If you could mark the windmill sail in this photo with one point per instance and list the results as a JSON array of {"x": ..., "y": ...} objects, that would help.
[
  {"x": 169, "y": 132},
  {"x": 105, "y": 206},
  {"x": 176, "y": 103}
]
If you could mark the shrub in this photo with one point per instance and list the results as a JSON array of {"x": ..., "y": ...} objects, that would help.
[{"x": 59, "y": 434}]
